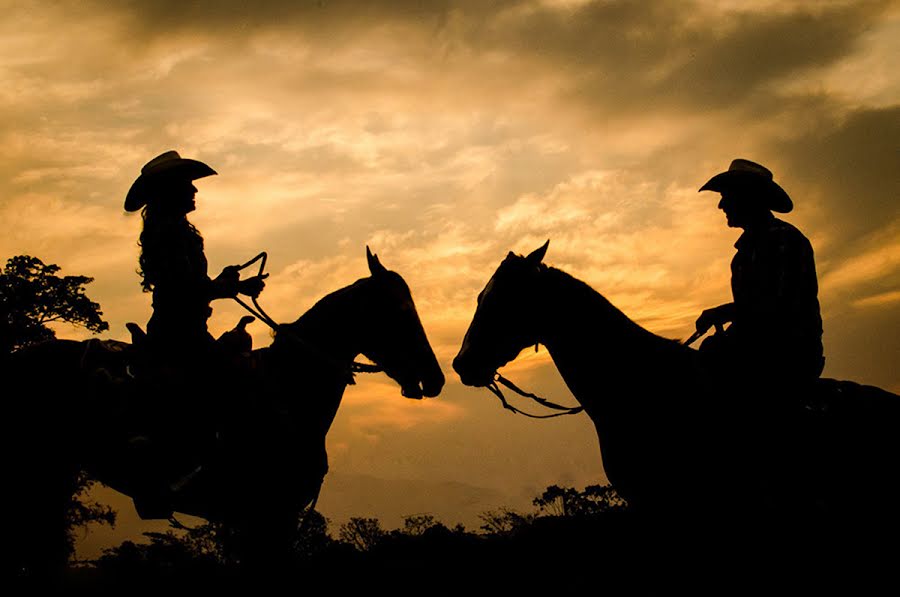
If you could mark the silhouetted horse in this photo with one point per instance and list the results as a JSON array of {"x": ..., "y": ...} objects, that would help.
[
  {"x": 269, "y": 459},
  {"x": 671, "y": 443}
]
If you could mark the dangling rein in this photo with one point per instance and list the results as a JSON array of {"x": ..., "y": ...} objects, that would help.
[
  {"x": 276, "y": 327},
  {"x": 495, "y": 389}
]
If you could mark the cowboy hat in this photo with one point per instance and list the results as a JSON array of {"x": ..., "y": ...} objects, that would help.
[
  {"x": 751, "y": 176},
  {"x": 168, "y": 165}
]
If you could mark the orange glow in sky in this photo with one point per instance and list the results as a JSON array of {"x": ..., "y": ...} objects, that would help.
[{"x": 442, "y": 135}]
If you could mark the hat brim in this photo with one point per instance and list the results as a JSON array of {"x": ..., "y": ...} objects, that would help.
[
  {"x": 180, "y": 169},
  {"x": 775, "y": 197}
]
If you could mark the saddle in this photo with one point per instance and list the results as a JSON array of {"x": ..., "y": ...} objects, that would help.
[{"x": 157, "y": 414}]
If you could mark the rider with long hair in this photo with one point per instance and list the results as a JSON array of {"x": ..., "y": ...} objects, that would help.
[
  {"x": 188, "y": 381},
  {"x": 173, "y": 265}
]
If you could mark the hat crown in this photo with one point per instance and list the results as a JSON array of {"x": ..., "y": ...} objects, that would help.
[
  {"x": 742, "y": 165},
  {"x": 747, "y": 175},
  {"x": 161, "y": 159},
  {"x": 165, "y": 167}
]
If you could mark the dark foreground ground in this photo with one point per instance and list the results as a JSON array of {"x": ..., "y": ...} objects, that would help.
[{"x": 612, "y": 554}]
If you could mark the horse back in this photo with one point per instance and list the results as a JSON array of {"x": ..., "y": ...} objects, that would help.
[
  {"x": 54, "y": 387},
  {"x": 852, "y": 430},
  {"x": 867, "y": 409}
]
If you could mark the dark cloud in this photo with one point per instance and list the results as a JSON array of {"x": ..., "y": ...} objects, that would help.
[
  {"x": 639, "y": 55},
  {"x": 670, "y": 49},
  {"x": 610, "y": 61},
  {"x": 851, "y": 165},
  {"x": 317, "y": 18}
]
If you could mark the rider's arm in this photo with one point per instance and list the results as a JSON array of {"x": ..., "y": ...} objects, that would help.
[{"x": 716, "y": 316}]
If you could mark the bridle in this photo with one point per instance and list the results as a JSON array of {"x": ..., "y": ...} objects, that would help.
[
  {"x": 498, "y": 380},
  {"x": 495, "y": 389}
]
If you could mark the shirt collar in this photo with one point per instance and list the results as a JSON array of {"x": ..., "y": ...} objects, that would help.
[{"x": 749, "y": 236}]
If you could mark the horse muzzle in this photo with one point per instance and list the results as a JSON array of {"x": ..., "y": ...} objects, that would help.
[
  {"x": 426, "y": 388},
  {"x": 471, "y": 375}
]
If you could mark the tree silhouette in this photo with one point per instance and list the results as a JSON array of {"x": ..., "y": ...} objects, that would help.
[
  {"x": 81, "y": 510},
  {"x": 312, "y": 535},
  {"x": 32, "y": 296},
  {"x": 569, "y": 502},
  {"x": 167, "y": 560},
  {"x": 504, "y": 521},
  {"x": 570, "y": 529},
  {"x": 362, "y": 533},
  {"x": 417, "y": 524}
]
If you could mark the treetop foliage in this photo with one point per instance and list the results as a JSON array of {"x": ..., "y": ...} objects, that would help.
[{"x": 32, "y": 296}]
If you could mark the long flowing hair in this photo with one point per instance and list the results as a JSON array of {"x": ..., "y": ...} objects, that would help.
[{"x": 162, "y": 229}]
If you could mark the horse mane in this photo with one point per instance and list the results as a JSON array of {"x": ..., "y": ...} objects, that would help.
[
  {"x": 314, "y": 315},
  {"x": 585, "y": 294},
  {"x": 600, "y": 313}
]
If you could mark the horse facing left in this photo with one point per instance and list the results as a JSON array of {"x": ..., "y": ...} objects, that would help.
[{"x": 269, "y": 458}]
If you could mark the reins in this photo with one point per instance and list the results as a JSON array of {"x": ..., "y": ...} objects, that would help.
[
  {"x": 259, "y": 312},
  {"x": 264, "y": 317},
  {"x": 495, "y": 389}
]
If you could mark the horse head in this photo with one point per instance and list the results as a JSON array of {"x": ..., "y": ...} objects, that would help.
[
  {"x": 376, "y": 317},
  {"x": 505, "y": 319},
  {"x": 392, "y": 335}
]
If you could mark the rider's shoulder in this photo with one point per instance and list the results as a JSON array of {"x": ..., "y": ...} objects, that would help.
[{"x": 786, "y": 232}]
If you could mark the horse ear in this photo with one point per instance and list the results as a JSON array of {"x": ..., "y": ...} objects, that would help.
[
  {"x": 538, "y": 254},
  {"x": 375, "y": 266}
]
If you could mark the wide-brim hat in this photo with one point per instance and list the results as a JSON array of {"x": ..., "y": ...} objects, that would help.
[
  {"x": 166, "y": 166},
  {"x": 750, "y": 176}
]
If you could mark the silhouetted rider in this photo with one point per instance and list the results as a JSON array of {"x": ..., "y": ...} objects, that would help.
[
  {"x": 173, "y": 265},
  {"x": 775, "y": 336},
  {"x": 188, "y": 380}
]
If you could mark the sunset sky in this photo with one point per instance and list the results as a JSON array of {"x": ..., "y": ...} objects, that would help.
[{"x": 444, "y": 134}]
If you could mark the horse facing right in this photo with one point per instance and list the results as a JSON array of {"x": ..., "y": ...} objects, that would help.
[{"x": 266, "y": 463}]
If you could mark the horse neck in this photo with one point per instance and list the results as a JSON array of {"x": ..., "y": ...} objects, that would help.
[
  {"x": 331, "y": 326},
  {"x": 594, "y": 345},
  {"x": 330, "y": 330}
]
